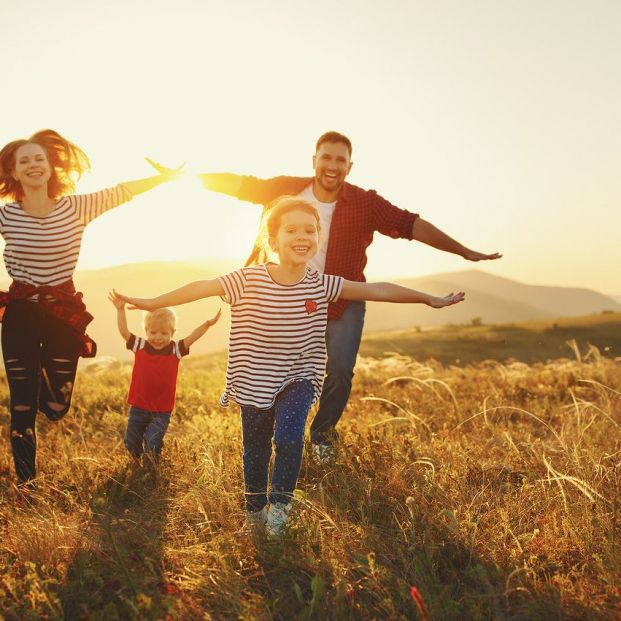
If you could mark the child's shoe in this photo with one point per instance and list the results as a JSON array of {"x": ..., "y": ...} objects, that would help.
[
  {"x": 277, "y": 518},
  {"x": 255, "y": 520}
]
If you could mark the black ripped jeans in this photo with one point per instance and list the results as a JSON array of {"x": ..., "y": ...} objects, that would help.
[{"x": 40, "y": 357}]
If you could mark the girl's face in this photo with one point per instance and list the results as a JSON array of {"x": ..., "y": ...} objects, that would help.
[
  {"x": 32, "y": 168},
  {"x": 297, "y": 237}
]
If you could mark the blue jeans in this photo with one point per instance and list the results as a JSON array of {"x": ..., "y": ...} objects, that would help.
[
  {"x": 284, "y": 422},
  {"x": 145, "y": 432},
  {"x": 342, "y": 342}
]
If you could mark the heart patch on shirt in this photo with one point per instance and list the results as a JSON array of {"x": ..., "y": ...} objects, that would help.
[{"x": 311, "y": 306}]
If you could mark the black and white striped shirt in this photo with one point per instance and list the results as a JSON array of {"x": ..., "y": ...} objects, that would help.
[
  {"x": 278, "y": 333},
  {"x": 45, "y": 250}
]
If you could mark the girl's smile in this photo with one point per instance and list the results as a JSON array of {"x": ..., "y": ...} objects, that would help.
[{"x": 297, "y": 238}]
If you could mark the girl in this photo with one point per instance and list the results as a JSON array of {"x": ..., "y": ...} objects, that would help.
[
  {"x": 277, "y": 348},
  {"x": 43, "y": 317}
]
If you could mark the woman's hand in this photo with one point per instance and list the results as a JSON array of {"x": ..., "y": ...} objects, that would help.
[
  {"x": 169, "y": 174},
  {"x": 447, "y": 300}
]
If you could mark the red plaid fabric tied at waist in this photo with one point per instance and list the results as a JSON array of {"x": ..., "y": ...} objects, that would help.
[{"x": 60, "y": 301}]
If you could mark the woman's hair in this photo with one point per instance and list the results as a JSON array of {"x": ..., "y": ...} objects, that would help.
[
  {"x": 165, "y": 316},
  {"x": 67, "y": 163},
  {"x": 270, "y": 223}
]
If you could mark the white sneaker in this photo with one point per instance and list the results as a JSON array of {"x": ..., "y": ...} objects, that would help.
[
  {"x": 323, "y": 453},
  {"x": 255, "y": 520},
  {"x": 277, "y": 518}
]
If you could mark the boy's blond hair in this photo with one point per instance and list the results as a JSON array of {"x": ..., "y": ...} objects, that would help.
[{"x": 165, "y": 316}]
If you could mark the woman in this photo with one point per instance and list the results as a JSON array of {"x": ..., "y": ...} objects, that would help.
[{"x": 43, "y": 317}]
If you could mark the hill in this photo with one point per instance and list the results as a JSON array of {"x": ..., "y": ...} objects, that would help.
[{"x": 490, "y": 298}]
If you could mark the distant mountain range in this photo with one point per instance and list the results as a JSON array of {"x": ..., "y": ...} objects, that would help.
[
  {"x": 492, "y": 299},
  {"x": 489, "y": 299}
]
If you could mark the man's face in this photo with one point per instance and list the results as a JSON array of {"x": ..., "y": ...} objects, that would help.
[{"x": 332, "y": 165}]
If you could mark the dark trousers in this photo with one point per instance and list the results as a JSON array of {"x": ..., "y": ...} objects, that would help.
[
  {"x": 40, "y": 357},
  {"x": 284, "y": 422}
]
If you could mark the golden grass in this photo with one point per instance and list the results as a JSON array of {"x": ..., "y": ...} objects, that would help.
[{"x": 493, "y": 489}]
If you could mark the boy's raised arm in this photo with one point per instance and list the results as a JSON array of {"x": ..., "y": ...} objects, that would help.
[
  {"x": 188, "y": 293},
  {"x": 121, "y": 318},
  {"x": 200, "y": 331}
]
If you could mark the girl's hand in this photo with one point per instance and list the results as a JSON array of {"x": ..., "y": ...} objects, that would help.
[
  {"x": 214, "y": 319},
  {"x": 116, "y": 300},
  {"x": 136, "y": 303},
  {"x": 169, "y": 174},
  {"x": 447, "y": 300}
]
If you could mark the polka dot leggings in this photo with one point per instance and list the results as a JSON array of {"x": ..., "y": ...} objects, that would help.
[{"x": 283, "y": 423}]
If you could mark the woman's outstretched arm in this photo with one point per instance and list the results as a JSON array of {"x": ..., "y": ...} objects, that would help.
[{"x": 138, "y": 186}]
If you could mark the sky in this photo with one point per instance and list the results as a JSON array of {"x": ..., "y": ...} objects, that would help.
[{"x": 498, "y": 121}]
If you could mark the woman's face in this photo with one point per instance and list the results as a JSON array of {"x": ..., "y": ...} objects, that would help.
[{"x": 32, "y": 168}]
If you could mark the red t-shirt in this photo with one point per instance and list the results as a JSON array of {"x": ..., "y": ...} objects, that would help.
[{"x": 154, "y": 376}]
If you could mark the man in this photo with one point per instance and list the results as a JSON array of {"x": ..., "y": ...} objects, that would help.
[{"x": 349, "y": 217}]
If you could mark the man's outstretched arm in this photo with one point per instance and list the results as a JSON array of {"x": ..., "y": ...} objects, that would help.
[
  {"x": 225, "y": 183},
  {"x": 427, "y": 233}
]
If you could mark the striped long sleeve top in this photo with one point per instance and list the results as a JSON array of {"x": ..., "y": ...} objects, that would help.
[
  {"x": 278, "y": 333},
  {"x": 45, "y": 250}
]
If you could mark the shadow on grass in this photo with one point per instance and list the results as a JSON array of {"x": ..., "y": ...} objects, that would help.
[
  {"x": 396, "y": 546},
  {"x": 117, "y": 573}
]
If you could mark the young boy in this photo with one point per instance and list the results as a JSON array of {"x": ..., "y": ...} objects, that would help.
[{"x": 154, "y": 376}]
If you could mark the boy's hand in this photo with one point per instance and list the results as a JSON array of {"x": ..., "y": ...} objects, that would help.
[
  {"x": 116, "y": 300},
  {"x": 447, "y": 300},
  {"x": 213, "y": 320},
  {"x": 169, "y": 174},
  {"x": 136, "y": 303}
]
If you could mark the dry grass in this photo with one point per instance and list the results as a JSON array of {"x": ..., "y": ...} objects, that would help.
[{"x": 493, "y": 489}]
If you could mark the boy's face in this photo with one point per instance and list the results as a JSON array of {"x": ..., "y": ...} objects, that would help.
[{"x": 159, "y": 334}]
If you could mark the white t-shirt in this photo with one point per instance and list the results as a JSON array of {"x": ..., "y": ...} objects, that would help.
[
  {"x": 326, "y": 210},
  {"x": 278, "y": 333}
]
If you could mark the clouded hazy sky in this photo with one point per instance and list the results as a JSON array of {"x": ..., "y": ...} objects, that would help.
[{"x": 498, "y": 121}]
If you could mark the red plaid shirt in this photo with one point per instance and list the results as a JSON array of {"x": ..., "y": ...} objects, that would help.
[
  {"x": 60, "y": 301},
  {"x": 357, "y": 215}
]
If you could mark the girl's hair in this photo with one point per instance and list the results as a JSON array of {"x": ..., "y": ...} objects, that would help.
[
  {"x": 270, "y": 223},
  {"x": 67, "y": 163},
  {"x": 166, "y": 316}
]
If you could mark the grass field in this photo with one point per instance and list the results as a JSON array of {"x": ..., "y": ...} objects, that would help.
[
  {"x": 488, "y": 490},
  {"x": 527, "y": 341}
]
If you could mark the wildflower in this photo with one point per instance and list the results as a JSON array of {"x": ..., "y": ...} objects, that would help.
[{"x": 420, "y": 603}]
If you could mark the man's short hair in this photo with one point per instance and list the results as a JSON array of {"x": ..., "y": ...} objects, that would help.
[{"x": 334, "y": 137}]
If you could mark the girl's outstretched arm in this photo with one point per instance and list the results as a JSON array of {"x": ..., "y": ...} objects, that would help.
[
  {"x": 389, "y": 292},
  {"x": 188, "y": 293}
]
